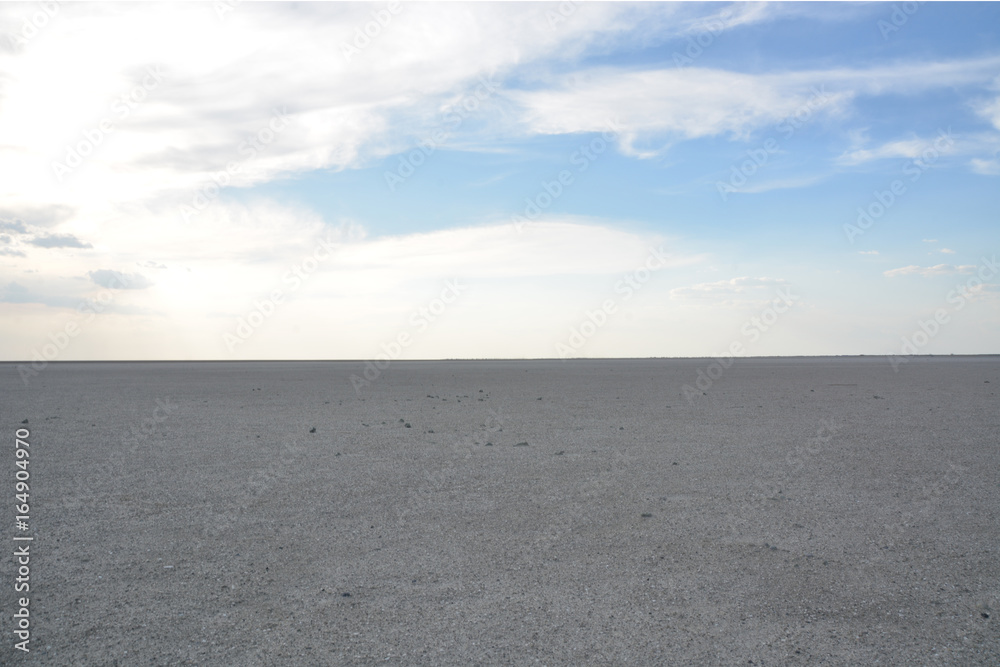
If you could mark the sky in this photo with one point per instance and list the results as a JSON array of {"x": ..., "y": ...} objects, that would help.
[{"x": 238, "y": 180}]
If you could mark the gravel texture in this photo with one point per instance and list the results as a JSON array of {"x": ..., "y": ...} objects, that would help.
[{"x": 824, "y": 511}]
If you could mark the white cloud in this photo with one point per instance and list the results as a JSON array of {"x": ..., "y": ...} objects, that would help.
[
  {"x": 990, "y": 110},
  {"x": 985, "y": 167},
  {"x": 668, "y": 105},
  {"x": 928, "y": 271},
  {"x": 781, "y": 184},
  {"x": 948, "y": 251},
  {"x": 721, "y": 288},
  {"x": 868, "y": 252},
  {"x": 906, "y": 148},
  {"x": 210, "y": 96},
  {"x": 118, "y": 280}
]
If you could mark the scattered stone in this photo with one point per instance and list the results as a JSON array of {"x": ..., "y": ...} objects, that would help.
[
  {"x": 401, "y": 421},
  {"x": 431, "y": 431},
  {"x": 25, "y": 421},
  {"x": 521, "y": 444},
  {"x": 560, "y": 452},
  {"x": 674, "y": 463},
  {"x": 489, "y": 444},
  {"x": 345, "y": 595},
  {"x": 646, "y": 515},
  {"x": 984, "y": 614},
  {"x": 407, "y": 424},
  {"x": 312, "y": 430}
]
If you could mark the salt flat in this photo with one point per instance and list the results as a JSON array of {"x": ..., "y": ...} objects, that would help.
[{"x": 798, "y": 511}]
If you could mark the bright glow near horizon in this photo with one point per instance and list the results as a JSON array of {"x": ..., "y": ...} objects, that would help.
[{"x": 490, "y": 180}]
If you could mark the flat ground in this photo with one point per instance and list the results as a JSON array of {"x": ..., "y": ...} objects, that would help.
[{"x": 799, "y": 511}]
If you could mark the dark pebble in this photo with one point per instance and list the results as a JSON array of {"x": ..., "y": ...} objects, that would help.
[
  {"x": 646, "y": 515},
  {"x": 521, "y": 444},
  {"x": 312, "y": 430},
  {"x": 407, "y": 424}
]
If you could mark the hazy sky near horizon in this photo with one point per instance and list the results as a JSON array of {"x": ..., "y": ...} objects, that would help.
[{"x": 234, "y": 180}]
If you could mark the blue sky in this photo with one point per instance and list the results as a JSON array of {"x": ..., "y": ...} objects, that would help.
[{"x": 715, "y": 155}]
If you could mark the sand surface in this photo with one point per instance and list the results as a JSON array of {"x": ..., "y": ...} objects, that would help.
[{"x": 799, "y": 511}]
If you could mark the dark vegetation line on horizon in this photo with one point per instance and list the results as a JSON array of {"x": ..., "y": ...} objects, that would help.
[{"x": 490, "y": 359}]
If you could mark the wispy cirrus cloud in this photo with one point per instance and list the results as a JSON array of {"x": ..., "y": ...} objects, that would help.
[
  {"x": 929, "y": 271},
  {"x": 58, "y": 241},
  {"x": 119, "y": 280},
  {"x": 729, "y": 287}
]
